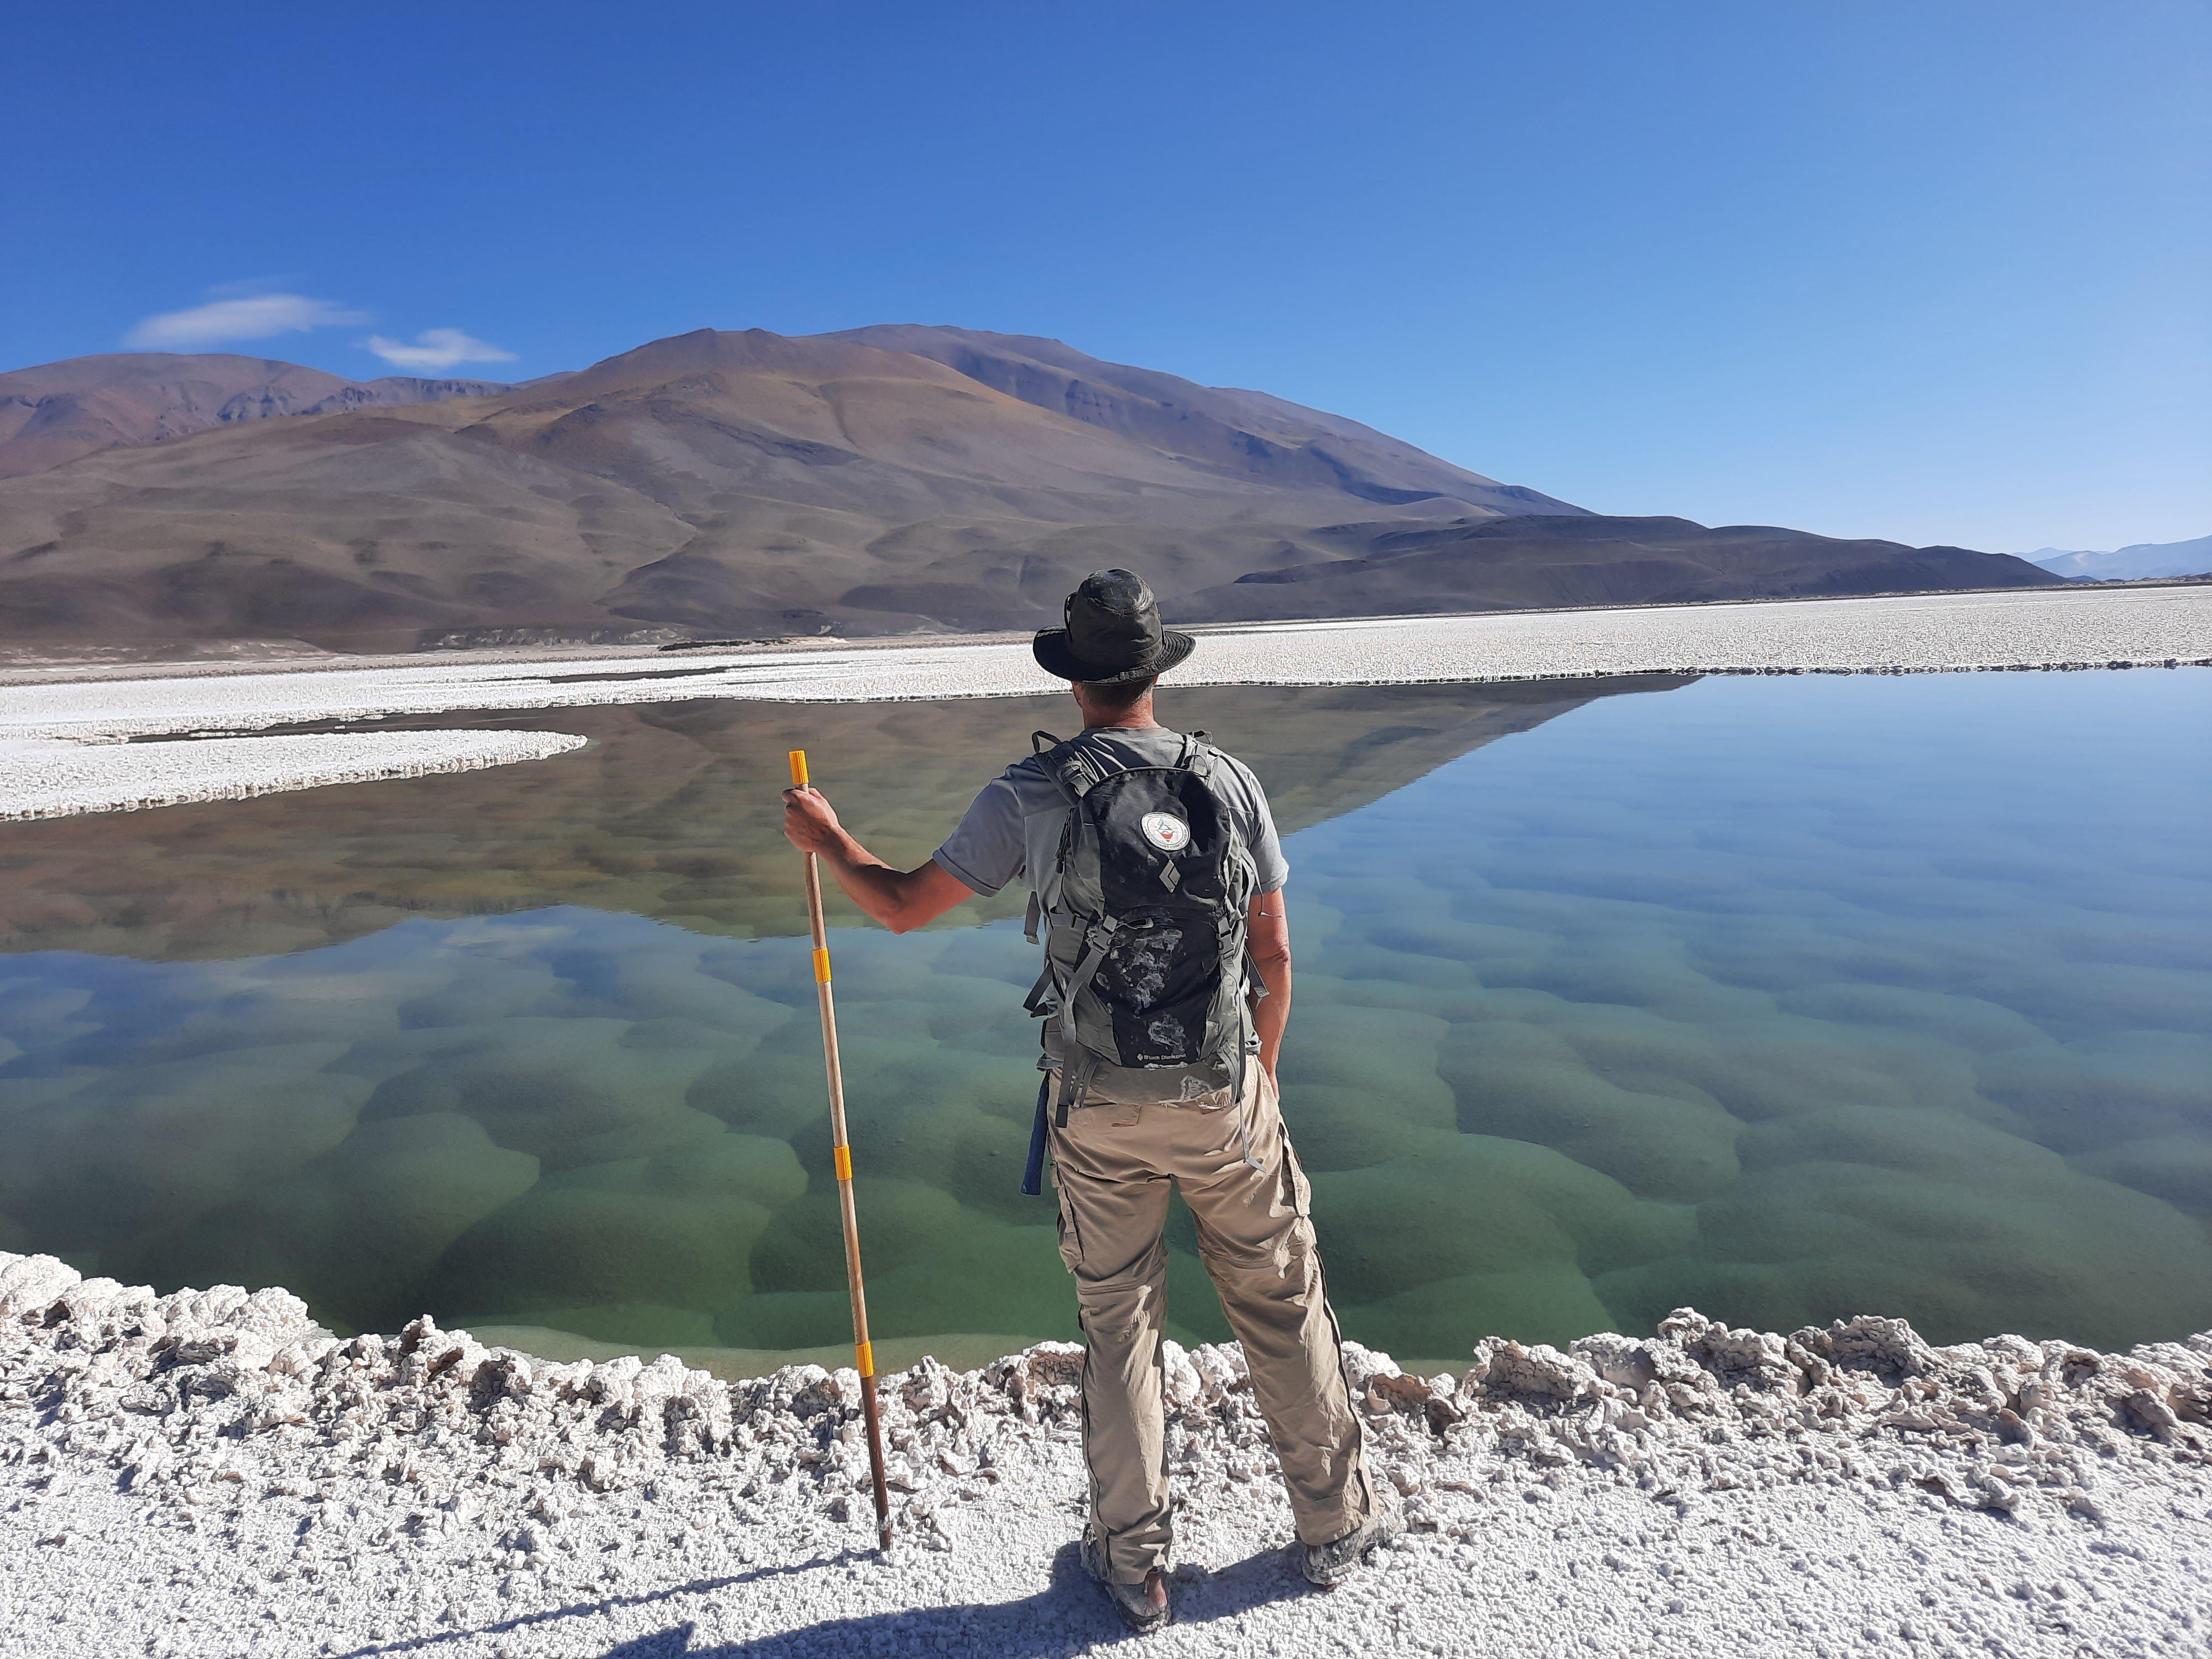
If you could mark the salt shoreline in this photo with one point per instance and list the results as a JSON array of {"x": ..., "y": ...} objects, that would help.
[
  {"x": 208, "y": 1473},
  {"x": 45, "y": 778},
  {"x": 2019, "y": 630},
  {"x": 2026, "y": 629}
]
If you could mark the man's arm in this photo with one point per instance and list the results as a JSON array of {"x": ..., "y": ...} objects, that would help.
[
  {"x": 900, "y": 899},
  {"x": 1267, "y": 935}
]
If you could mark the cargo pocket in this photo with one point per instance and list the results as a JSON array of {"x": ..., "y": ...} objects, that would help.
[
  {"x": 1299, "y": 1190},
  {"x": 1070, "y": 1239}
]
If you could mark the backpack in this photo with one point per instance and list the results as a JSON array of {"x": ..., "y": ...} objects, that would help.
[{"x": 1145, "y": 964}]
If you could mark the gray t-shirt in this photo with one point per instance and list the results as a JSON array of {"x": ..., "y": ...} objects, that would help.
[{"x": 1014, "y": 825}]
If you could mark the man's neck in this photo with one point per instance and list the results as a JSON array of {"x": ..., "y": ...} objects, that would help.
[{"x": 1137, "y": 717}]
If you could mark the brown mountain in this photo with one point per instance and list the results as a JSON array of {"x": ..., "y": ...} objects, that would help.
[
  {"x": 1243, "y": 433},
  {"x": 1507, "y": 564},
  {"x": 881, "y": 480},
  {"x": 58, "y": 412}
]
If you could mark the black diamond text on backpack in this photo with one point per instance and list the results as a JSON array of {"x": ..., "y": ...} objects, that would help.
[{"x": 1145, "y": 966}]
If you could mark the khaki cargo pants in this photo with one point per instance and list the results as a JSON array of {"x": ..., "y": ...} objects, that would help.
[{"x": 1113, "y": 1164}]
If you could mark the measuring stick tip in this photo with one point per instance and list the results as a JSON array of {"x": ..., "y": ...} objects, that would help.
[{"x": 798, "y": 768}]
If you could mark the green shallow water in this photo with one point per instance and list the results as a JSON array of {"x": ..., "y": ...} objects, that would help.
[{"x": 1791, "y": 998}]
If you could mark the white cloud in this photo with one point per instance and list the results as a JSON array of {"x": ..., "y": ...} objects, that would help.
[
  {"x": 246, "y": 317},
  {"x": 437, "y": 348}
]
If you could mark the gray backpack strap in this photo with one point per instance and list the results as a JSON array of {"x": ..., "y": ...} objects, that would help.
[
  {"x": 1062, "y": 764},
  {"x": 1197, "y": 756},
  {"x": 1034, "y": 915},
  {"x": 1244, "y": 1065},
  {"x": 1076, "y": 1072},
  {"x": 1039, "y": 999},
  {"x": 1074, "y": 771},
  {"x": 1098, "y": 939}
]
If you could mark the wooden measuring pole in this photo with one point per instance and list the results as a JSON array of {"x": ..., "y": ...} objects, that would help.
[{"x": 864, "y": 1354}]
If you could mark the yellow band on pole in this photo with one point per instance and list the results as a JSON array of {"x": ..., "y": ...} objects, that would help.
[
  {"x": 822, "y": 966},
  {"x": 864, "y": 1352},
  {"x": 798, "y": 768},
  {"x": 844, "y": 1158}
]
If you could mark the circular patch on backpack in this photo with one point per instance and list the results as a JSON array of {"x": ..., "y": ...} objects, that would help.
[{"x": 1165, "y": 830}]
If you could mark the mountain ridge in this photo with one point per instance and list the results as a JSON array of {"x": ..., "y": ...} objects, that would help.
[
  {"x": 1155, "y": 406},
  {"x": 53, "y": 413},
  {"x": 2135, "y": 562},
  {"x": 877, "y": 480}
]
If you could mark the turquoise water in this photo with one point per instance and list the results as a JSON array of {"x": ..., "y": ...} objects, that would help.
[{"x": 1791, "y": 998}]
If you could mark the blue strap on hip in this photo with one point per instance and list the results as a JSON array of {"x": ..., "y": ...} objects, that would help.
[{"x": 1033, "y": 1177}]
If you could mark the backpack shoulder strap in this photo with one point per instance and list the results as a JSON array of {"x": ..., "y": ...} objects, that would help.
[
  {"x": 1198, "y": 755},
  {"x": 1072, "y": 768}
]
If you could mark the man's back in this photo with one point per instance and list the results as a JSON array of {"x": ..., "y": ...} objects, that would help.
[{"x": 1011, "y": 831}]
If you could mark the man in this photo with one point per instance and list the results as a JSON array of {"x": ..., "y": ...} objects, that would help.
[{"x": 1160, "y": 1054}]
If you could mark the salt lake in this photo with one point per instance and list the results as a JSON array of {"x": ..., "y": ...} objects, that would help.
[{"x": 1789, "y": 997}]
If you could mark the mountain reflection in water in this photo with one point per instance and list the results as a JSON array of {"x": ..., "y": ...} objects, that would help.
[
  {"x": 672, "y": 813},
  {"x": 1792, "y": 998}
]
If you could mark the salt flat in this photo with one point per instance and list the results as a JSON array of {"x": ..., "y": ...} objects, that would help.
[
  {"x": 44, "y": 774},
  {"x": 1921, "y": 633},
  {"x": 2033, "y": 627}
]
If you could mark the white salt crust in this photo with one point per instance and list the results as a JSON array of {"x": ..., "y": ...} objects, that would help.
[
  {"x": 209, "y": 1472},
  {"x": 43, "y": 774},
  {"x": 45, "y": 778},
  {"x": 2027, "y": 628}
]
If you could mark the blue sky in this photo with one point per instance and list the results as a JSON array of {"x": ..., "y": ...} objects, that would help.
[{"x": 1935, "y": 271}]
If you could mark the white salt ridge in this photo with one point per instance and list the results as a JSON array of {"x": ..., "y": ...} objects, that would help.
[
  {"x": 1919, "y": 633},
  {"x": 209, "y": 1472},
  {"x": 42, "y": 775},
  {"x": 51, "y": 778}
]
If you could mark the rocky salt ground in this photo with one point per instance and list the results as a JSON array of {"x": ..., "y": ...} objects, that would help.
[{"x": 209, "y": 1472}]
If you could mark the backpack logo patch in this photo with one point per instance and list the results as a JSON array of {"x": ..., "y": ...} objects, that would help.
[{"x": 1166, "y": 831}]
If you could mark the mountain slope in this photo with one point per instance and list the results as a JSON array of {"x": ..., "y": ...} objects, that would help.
[
  {"x": 1244, "y": 433},
  {"x": 58, "y": 412},
  {"x": 2135, "y": 563},
  {"x": 881, "y": 480},
  {"x": 737, "y": 483}
]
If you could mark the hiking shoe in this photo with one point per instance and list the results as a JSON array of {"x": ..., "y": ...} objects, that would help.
[
  {"x": 1143, "y": 1606},
  {"x": 1335, "y": 1562}
]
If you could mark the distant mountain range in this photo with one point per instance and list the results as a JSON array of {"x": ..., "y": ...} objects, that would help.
[
  {"x": 879, "y": 480},
  {"x": 2143, "y": 559},
  {"x": 62, "y": 410}
]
